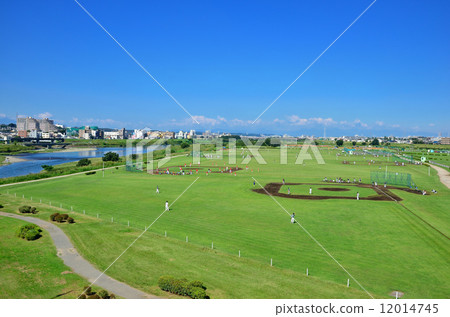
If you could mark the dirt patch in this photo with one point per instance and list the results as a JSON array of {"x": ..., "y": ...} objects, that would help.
[
  {"x": 334, "y": 189},
  {"x": 162, "y": 171},
  {"x": 382, "y": 193}
]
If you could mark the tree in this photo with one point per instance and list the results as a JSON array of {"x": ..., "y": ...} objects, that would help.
[
  {"x": 375, "y": 142},
  {"x": 340, "y": 142},
  {"x": 110, "y": 156},
  {"x": 184, "y": 145},
  {"x": 354, "y": 143},
  {"x": 84, "y": 162},
  {"x": 47, "y": 168}
]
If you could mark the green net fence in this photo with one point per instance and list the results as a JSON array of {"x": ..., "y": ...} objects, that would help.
[{"x": 392, "y": 178}]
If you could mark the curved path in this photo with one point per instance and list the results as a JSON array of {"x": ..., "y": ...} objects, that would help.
[
  {"x": 67, "y": 252},
  {"x": 443, "y": 174}
]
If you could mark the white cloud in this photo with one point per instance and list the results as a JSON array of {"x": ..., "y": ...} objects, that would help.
[
  {"x": 431, "y": 124},
  {"x": 296, "y": 120},
  {"x": 2, "y": 115},
  {"x": 44, "y": 115},
  {"x": 379, "y": 123}
]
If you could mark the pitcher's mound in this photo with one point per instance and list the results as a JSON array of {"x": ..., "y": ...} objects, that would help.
[{"x": 335, "y": 189}]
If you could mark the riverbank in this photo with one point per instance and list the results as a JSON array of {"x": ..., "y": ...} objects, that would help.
[{"x": 9, "y": 159}]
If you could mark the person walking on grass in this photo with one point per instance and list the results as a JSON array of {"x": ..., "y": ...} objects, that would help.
[
  {"x": 293, "y": 217},
  {"x": 310, "y": 190},
  {"x": 357, "y": 196},
  {"x": 167, "y": 206},
  {"x": 157, "y": 189},
  {"x": 289, "y": 190}
]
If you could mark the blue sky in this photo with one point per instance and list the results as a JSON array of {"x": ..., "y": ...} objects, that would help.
[{"x": 226, "y": 61}]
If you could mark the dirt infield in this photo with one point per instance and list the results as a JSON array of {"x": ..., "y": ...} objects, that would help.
[
  {"x": 162, "y": 171},
  {"x": 334, "y": 189},
  {"x": 383, "y": 193}
]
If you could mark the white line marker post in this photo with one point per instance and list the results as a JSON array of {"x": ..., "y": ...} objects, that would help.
[
  {"x": 307, "y": 272},
  {"x": 112, "y": 219},
  {"x": 40, "y": 200},
  {"x": 60, "y": 205},
  {"x": 97, "y": 216},
  {"x": 239, "y": 253},
  {"x": 31, "y": 198},
  {"x": 165, "y": 234},
  {"x": 84, "y": 212},
  {"x": 348, "y": 282},
  {"x": 23, "y": 196},
  {"x": 187, "y": 240},
  {"x": 71, "y": 208},
  {"x": 396, "y": 295},
  {"x": 212, "y": 245},
  {"x": 270, "y": 262}
]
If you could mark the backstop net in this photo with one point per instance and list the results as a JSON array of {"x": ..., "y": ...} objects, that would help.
[{"x": 391, "y": 178}]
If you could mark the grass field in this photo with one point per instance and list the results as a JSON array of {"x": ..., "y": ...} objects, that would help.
[
  {"x": 382, "y": 244},
  {"x": 31, "y": 269},
  {"x": 317, "y": 190}
]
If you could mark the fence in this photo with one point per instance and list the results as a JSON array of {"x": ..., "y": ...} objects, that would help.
[
  {"x": 439, "y": 164},
  {"x": 391, "y": 178}
]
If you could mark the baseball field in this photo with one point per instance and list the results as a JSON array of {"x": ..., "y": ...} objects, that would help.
[{"x": 227, "y": 230}]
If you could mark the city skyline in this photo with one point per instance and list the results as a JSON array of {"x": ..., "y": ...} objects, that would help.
[{"x": 387, "y": 75}]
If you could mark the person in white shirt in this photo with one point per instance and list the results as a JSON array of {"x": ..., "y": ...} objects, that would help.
[
  {"x": 310, "y": 191},
  {"x": 167, "y": 206},
  {"x": 357, "y": 196}
]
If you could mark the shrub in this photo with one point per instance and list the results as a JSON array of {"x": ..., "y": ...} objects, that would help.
[
  {"x": 53, "y": 216},
  {"x": 25, "y": 209},
  {"x": 1, "y": 206},
  {"x": 112, "y": 296},
  {"x": 91, "y": 173},
  {"x": 47, "y": 168},
  {"x": 34, "y": 210},
  {"x": 64, "y": 216},
  {"x": 198, "y": 284},
  {"x": 70, "y": 220},
  {"x": 94, "y": 296},
  {"x": 29, "y": 232},
  {"x": 59, "y": 218},
  {"x": 103, "y": 294},
  {"x": 87, "y": 290},
  {"x": 84, "y": 162},
  {"x": 340, "y": 142},
  {"x": 32, "y": 235},
  {"x": 82, "y": 296},
  {"x": 194, "y": 289},
  {"x": 198, "y": 293}
]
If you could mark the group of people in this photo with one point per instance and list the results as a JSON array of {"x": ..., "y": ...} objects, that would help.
[{"x": 340, "y": 180}]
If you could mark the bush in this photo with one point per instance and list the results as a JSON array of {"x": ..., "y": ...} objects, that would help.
[
  {"x": 47, "y": 168},
  {"x": 194, "y": 289},
  {"x": 34, "y": 210},
  {"x": 112, "y": 296},
  {"x": 82, "y": 296},
  {"x": 25, "y": 209},
  {"x": 59, "y": 218},
  {"x": 340, "y": 142},
  {"x": 53, "y": 216},
  {"x": 103, "y": 294},
  {"x": 94, "y": 296},
  {"x": 91, "y": 173},
  {"x": 1, "y": 206},
  {"x": 29, "y": 232},
  {"x": 87, "y": 290},
  {"x": 70, "y": 220},
  {"x": 64, "y": 216},
  {"x": 84, "y": 162},
  {"x": 198, "y": 293}
]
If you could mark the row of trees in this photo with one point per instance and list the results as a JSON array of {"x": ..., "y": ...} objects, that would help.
[{"x": 375, "y": 142}]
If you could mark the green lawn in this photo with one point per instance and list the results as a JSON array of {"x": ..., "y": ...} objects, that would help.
[
  {"x": 381, "y": 244},
  {"x": 31, "y": 269}
]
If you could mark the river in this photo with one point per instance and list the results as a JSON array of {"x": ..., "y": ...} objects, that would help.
[{"x": 35, "y": 160}]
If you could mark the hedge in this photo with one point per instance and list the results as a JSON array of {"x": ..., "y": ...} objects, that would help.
[{"x": 194, "y": 289}]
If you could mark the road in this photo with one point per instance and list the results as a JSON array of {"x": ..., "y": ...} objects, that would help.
[{"x": 67, "y": 252}]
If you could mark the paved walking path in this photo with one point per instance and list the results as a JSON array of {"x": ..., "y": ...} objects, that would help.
[
  {"x": 67, "y": 252},
  {"x": 443, "y": 174}
]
